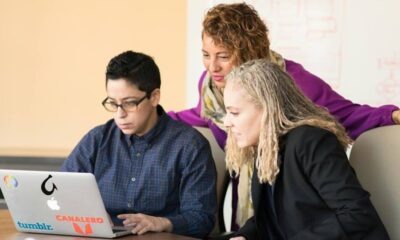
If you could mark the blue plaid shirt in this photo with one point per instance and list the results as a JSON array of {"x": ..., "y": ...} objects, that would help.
[{"x": 168, "y": 172}]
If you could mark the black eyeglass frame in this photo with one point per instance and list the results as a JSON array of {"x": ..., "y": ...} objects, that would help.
[{"x": 136, "y": 102}]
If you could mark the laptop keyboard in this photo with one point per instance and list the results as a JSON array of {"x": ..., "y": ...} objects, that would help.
[{"x": 118, "y": 230}]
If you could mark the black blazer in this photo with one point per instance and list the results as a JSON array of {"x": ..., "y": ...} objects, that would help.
[{"x": 316, "y": 194}]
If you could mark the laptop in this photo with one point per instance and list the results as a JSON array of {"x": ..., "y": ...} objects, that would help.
[{"x": 62, "y": 203}]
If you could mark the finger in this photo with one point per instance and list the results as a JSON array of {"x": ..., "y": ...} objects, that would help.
[
  {"x": 127, "y": 215},
  {"x": 143, "y": 230},
  {"x": 137, "y": 228},
  {"x": 131, "y": 222},
  {"x": 127, "y": 222},
  {"x": 123, "y": 216}
]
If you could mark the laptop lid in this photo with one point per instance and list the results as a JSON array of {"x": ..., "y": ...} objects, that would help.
[{"x": 63, "y": 203}]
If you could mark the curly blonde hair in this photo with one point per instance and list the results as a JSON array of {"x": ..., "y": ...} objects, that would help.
[
  {"x": 239, "y": 29},
  {"x": 284, "y": 108}
]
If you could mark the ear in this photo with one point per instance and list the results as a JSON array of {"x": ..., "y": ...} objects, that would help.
[{"x": 155, "y": 97}]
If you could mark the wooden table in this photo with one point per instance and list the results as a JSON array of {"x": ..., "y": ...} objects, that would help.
[{"x": 8, "y": 232}]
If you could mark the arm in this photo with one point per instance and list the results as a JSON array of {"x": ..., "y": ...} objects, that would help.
[
  {"x": 198, "y": 203},
  {"x": 249, "y": 229},
  {"x": 354, "y": 117},
  {"x": 192, "y": 116},
  {"x": 81, "y": 158},
  {"x": 326, "y": 166}
]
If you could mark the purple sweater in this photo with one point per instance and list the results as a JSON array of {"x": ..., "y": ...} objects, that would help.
[{"x": 355, "y": 118}]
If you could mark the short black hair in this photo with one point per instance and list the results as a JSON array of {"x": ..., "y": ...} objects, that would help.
[{"x": 136, "y": 68}]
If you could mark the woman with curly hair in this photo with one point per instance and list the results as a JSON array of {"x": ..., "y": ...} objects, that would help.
[
  {"x": 233, "y": 34},
  {"x": 302, "y": 186}
]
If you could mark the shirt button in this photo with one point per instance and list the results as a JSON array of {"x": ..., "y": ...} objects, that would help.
[
  {"x": 129, "y": 205},
  {"x": 133, "y": 179},
  {"x": 137, "y": 154}
]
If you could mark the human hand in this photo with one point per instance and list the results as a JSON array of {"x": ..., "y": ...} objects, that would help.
[
  {"x": 396, "y": 116},
  {"x": 238, "y": 238},
  {"x": 143, "y": 223}
]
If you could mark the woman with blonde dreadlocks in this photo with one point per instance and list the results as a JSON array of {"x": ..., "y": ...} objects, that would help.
[
  {"x": 233, "y": 34},
  {"x": 303, "y": 186}
]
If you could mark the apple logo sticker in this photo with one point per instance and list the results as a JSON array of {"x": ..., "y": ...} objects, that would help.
[{"x": 53, "y": 204}]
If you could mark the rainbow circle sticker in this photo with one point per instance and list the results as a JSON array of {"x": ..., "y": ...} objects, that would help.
[{"x": 10, "y": 181}]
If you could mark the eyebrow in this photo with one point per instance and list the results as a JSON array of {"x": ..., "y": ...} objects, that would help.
[
  {"x": 223, "y": 52},
  {"x": 125, "y": 98},
  {"x": 231, "y": 108}
]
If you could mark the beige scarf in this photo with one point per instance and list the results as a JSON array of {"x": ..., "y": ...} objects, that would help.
[{"x": 213, "y": 108}]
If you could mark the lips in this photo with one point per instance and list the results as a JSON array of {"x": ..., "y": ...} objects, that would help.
[{"x": 218, "y": 78}]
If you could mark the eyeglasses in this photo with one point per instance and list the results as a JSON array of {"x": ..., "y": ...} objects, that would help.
[{"x": 128, "y": 106}]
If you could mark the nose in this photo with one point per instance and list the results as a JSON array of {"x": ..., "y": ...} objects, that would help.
[
  {"x": 121, "y": 113},
  {"x": 214, "y": 65},
  {"x": 227, "y": 122}
]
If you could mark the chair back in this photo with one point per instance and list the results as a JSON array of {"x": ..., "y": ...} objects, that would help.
[
  {"x": 222, "y": 177},
  {"x": 375, "y": 156}
]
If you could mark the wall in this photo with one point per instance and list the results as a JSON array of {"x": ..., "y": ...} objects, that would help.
[
  {"x": 351, "y": 44},
  {"x": 53, "y": 56}
]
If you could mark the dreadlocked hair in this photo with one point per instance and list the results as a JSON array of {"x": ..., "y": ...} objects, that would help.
[{"x": 284, "y": 108}]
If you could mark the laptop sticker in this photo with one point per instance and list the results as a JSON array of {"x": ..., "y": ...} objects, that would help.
[
  {"x": 81, "y": 225},
  {"x": 53, "y": 204},
  {"x": 44, "y": 189},
  {"x": 88, "y": 229},
  {"x": 10, "y": 181},
  {"x": 35, "y": 226}
]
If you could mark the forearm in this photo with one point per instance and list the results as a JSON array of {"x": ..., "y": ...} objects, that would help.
[
  {"x": 198, "y": 201},
  {"x": 249, "y": 229},
  {"x": 189, "y": 116},
  {"x": 356, "y": 118},
  {"x": 192, "y": 116},
  {"x": 326, "y": 165},
  {"x": 360, "y": 118},
  {"x": 357, "y": 218},
  {"x": 192, "y": 223}
]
